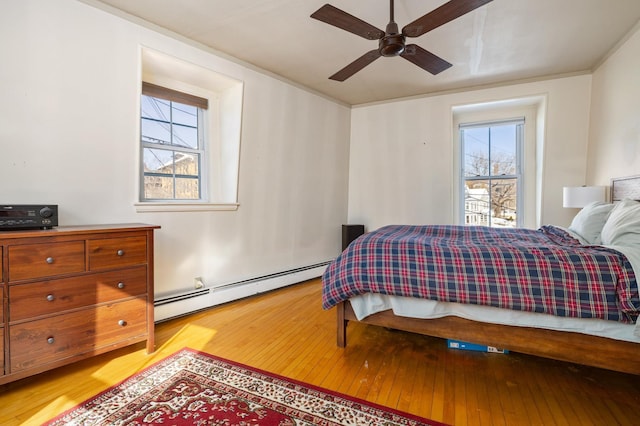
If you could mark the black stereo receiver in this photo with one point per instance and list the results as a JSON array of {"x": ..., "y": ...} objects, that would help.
[{"x": 28, "y": 216}]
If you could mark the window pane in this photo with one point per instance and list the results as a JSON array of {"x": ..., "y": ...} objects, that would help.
[
  {"x": 477, "y": 202},
  {"x": 476, "y": 151},
  {"x": 185, "y": 114},
  {"x": 503, "y": 202},
  {"x": 158, "y": 161},
  {"x": 491, "y": 202},
  {"x": 187, "y": 164},
  {"x": 503, "y": 150},
  {"x": 154, "y": 108},
  {"x": 155, "y": 132},
  {"x": 187, "y": 189},
  {"x": 158, "y": 187},
  {"x": 185, "y": 136}
]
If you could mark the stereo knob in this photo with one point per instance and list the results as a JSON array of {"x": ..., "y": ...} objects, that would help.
[{"x": 46, "y": 212}]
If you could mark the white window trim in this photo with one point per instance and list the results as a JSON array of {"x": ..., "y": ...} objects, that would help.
[{"x": 154, "y": 206}]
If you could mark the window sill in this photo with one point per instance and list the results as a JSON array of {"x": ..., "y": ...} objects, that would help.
[{"x": 184, "y": 207}]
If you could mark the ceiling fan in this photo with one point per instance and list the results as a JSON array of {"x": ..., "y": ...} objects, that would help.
[{"x": 391, "y": 42}]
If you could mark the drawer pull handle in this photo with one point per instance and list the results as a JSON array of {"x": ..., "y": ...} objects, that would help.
[
  {"x": 122, "y": 323},
  {"x": 50, "y": 340},
  {"x": 51, "y": 297},
  {"x": 49, "y": 260},
  {"x": 120, "y": 252},
  {"x": 120, "y": 285}
]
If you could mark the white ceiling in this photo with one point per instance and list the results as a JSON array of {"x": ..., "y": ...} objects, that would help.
[{"x": 503, "y": 41}]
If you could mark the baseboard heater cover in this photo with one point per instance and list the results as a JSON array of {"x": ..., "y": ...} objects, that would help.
[
  {"x": 181, "y": 296},
  {"x": 269, "y": 277},
  {"x": 184, "y": 303}
]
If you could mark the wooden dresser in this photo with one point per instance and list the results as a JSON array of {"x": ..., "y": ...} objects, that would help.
[{"x": 69, "y": 293}]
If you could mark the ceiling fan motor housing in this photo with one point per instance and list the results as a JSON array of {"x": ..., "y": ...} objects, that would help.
[{"x": 392, "y": 44}]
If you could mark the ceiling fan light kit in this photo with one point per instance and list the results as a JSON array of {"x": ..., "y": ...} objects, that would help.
[{"x": 392, "y": 41}]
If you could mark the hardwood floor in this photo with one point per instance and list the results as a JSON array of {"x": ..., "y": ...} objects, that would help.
[{"x": 286, "y": 332}]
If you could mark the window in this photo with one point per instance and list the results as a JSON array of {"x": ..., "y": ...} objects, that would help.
[
  {"x": 491, "y": 177},
  {"x": 173, "y": 146},
  {"x": 189, "y": 140}
]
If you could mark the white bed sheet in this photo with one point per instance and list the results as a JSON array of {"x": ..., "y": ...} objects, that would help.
[{"x": 369, "y": 303}]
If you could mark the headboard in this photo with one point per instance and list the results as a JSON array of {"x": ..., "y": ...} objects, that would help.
[{"x": 626, "y": 187}]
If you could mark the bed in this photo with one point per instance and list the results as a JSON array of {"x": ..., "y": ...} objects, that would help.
[{"x": 564, "y": 293}]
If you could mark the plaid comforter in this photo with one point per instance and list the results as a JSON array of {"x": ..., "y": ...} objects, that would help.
[{"x": 544, "y": 270}]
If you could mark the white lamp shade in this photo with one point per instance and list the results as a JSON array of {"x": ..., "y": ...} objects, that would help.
[{"x": 580, "y": 196}]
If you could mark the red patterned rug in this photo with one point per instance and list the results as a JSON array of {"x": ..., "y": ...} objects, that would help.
[{"x": 195, "y": 388}]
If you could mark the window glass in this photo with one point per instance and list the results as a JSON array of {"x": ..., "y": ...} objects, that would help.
[
  {"x": 172, "y": 150},
  {"x": 490, "y": 173}
]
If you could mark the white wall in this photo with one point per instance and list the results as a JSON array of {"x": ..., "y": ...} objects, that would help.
[
  {"x": 614, "y": 139},
  {"x": 401, "y": 159},
  {"x": 70, "y": 82}
]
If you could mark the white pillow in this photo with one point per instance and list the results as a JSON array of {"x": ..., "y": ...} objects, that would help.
[
  {"x": 589, "y": 221},
  {"x": 623, "y": 225}
]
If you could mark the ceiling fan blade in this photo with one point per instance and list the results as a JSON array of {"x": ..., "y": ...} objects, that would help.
[
  {"x": 424, "y": 59},
  {"x": 338, "y": 18},
  {"x": 440, "y": 16},
  {"x": 356, "y": 66}
]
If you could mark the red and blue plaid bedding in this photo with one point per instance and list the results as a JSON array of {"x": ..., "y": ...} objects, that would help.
[{"x": 544, "y": 270}]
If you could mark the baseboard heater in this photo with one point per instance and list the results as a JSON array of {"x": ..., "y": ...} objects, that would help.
[
  {"x": 183, "y": 303},
  {"x": 181, "y": 296},
  {"x": 270, "y": 276}
]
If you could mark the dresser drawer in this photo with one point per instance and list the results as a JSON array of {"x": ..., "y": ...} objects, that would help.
[
  {"x": 45, "y": 260},
  {"x": 40, "y": 342},
  {"x": 117, "y": 252},
  {"x": 48, "y": 297}
]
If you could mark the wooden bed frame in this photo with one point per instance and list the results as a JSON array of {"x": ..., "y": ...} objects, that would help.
[{"x": 561, "y": 345}]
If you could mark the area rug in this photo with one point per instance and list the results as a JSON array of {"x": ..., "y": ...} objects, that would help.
[{"x": 195, "y": 388}]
